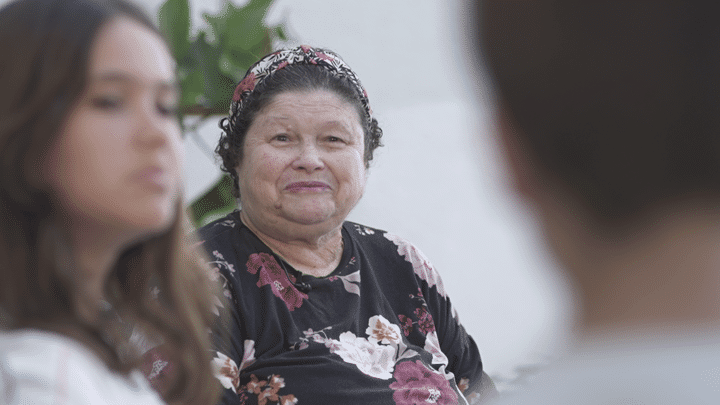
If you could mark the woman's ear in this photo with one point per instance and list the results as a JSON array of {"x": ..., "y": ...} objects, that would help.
[{"x": 522, "y": 170}]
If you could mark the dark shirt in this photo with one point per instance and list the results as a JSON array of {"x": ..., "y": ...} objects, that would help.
[{"x": 378, "y": 330}]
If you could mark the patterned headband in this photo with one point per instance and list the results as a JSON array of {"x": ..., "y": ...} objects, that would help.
[{"x": 302, "y": 55}]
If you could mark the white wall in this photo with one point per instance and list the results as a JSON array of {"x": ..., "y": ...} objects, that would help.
[{"x": 438, "y": 180}]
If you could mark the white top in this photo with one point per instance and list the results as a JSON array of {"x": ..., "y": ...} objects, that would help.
[
  {"x": 636, "y": 370},
  {"x": 38, "y": 367}
]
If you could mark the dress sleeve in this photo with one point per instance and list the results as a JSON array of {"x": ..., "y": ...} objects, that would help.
[
  {"x": 229, "y": 348},
  {"x": 440, "y": 323},
  {"x": 462, "y": 353}
]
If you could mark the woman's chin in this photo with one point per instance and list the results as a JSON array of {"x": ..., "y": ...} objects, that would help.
[
  {"x": 311, "y": 216},
  {"x": 152, "y": 221}
]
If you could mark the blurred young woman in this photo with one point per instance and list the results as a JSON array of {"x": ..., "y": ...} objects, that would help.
[{"x": 91, "y": 238}]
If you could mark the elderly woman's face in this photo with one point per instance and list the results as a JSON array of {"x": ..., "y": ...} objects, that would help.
[{"x": 303, "y": 161}]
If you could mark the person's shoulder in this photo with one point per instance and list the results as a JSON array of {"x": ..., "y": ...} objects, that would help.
[
  {"x": 395, "y": 247},
  {"x": 42, "y": 367},
  {"x": 670, "y": 375},
  {"x": 381, "y": 237},
  {"x": 374, "y": 237},
  {"x": 31, "y": 347},
  {"x": 358, "y": 230},
  {"x": 220, "y": 227}
]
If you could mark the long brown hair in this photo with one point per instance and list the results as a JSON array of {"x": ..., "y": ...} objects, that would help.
[{"x": 44, "y": 52}]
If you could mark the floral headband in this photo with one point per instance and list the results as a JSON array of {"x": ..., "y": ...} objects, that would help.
[{"x": 304, "y": 55}]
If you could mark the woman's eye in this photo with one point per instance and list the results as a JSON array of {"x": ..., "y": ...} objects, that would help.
[
  {"x": 107, "y": 102},
  {"x": 281, "y": 138},
  {"x": 334, "y": 139},
  {"x": 167, "y": 109}
]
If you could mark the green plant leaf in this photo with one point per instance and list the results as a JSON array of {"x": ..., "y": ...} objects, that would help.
[
  {"x": 209, "y": 67},
  {"x": 235, "y": 62},
  {"x": 217, "y": 87},
  {"x": 280, "y": 33},
  {"x": 193, "y": 89},
  {"x": 174, "y": 22},
  {"x": 215, "y": 203}
]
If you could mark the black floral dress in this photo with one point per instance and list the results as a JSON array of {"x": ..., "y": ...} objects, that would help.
[{"x": 378, "y": 330}]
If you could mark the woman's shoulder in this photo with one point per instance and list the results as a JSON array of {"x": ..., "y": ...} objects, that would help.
[
  {"x": 391, "y": 245},
  {"x": 42, "y": 367},
  {"x": 369, "y": 235},
  {"x": 220, "y": 227}
]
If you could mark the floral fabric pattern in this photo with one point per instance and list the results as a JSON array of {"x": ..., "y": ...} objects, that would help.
[
  {"x": 267, "y": 390},
  {"x": 371, "y": 358},
  {"x": 381, "y": 330},
  {"x": 227, "y": 371},
  {"x": 300, "y": 55},
  {"x": 416, "y": 384},
  {"x": 370, "y": 332},
  {"x": 217, "y": 276},
  {"x": 351, "y": 282},
  {"x": 425, "y": 321},
  {"x": 375, "y": 355},
  {"x": 420, "y": 263},
  {"x": 271, "y": 274}
]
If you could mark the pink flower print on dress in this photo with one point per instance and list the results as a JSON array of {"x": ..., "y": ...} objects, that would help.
[
  {"x": 288, "y": 400},
  {"x": 406, "y": 324},
  {"x": 381, "y": 330},
  {"x": 421, "y": 264},
  {"x": 464, "y": 384},
  {"x": 156, "y": 368},
  {"x": 271, "y": 274},
  {"x": 425, "y": 320},
  {"x": 371, "y": 358},
  {"x": 226, "y": 371},
  {"x": 267, "y": 391},
  {"x": 415, "y": 384},
  {"x": 255, "y": 386},
  {"x": 248, "y": 354},
  {"x": 432, "y": 346},
  {"x": 214, "y": 273}
]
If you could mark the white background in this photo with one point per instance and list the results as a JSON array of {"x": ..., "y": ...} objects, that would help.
[{"x": 438, "y": 181}]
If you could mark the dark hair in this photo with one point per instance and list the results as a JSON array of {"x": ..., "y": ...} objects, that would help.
[
  {"x": 620, "y": 101},
  {"x": 45, "y": 47},
  {"x": 292, "y": 78}
]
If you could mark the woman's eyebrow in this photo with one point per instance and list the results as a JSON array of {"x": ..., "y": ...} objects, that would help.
[
  {"x": 122, "y": 77},
  {"x": 335, "y": 124}
]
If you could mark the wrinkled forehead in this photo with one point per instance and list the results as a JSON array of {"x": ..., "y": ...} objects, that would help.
[
  {"x": 127, "y": 50},
  {"x": 319, "y": 107}
]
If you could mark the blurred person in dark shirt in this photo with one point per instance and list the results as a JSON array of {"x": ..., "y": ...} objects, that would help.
[{"x": 609, "y": 117}]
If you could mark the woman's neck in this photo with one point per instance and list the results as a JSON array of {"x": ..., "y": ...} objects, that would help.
[
  {"x": 314, "y": 255},
  {"x": 95, "y": 252},
  {"x": 665, "y": 279}
]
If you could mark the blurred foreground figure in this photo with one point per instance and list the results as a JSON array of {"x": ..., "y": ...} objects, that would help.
[
  {"x": 609, "y": 115},
  {"x": 92, "y": 254}
]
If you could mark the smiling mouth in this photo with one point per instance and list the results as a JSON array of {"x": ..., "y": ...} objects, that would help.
[
  {"x": 307, "y": 186},
  {"x": 153, "y": 178}
]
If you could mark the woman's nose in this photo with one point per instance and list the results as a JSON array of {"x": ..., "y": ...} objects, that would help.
[
  {"x": 153, "y": 129},
  {"x": 309, "y": 158}
]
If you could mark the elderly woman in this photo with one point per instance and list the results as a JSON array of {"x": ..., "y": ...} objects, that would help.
[{"x": 323, "y": 310}]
